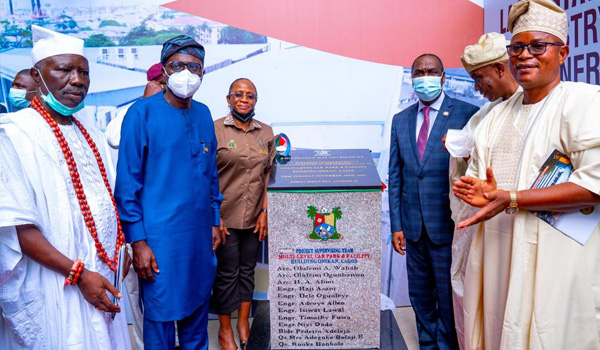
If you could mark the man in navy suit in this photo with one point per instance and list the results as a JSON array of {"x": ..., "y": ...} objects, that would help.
[{"x": 419, "y": 203}]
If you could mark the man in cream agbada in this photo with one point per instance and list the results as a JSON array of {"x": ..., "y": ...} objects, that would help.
[{"x": 539, "y": 290}]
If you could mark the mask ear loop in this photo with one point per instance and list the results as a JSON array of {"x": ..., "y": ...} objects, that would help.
[
  {"x": 43, "y": 82},
  {"x": 165, "y": 70}
]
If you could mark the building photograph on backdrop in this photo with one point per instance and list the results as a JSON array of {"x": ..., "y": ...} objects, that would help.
[{"x": 394, "y": 149}]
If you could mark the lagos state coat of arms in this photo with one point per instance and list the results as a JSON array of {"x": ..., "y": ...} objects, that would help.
[{"x": 324, "y": 223}]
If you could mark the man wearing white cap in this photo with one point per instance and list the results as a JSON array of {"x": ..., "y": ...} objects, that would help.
[
  {"x": 487, "y": 63},
  {"x": 540, "y": 290},
  {"x": 59, "y": 229}
]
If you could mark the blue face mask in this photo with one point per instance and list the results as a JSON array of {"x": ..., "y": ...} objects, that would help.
[
  {"x": 17, "y": 98},
  {"x": 427, "y": 88},
  {"x": 56, "y": 105}
]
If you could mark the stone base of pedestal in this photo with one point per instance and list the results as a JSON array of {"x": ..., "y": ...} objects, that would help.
[{"x": 260, "y": 334}]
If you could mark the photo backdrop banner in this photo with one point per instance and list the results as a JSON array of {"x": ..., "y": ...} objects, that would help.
[
  {"x": 583, "y": 63},
  {"x": 329, "y": 74}
]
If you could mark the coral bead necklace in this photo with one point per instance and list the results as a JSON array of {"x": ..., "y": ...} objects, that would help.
[{"x": 83, "y": 204}]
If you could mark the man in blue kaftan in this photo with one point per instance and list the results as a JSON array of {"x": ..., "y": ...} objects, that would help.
[{"x": 168, "y": 197}]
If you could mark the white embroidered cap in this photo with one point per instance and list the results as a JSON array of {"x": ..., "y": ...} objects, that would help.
[{"x": 47, "y": 43}]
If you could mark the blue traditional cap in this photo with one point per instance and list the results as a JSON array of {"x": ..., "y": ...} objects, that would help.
[{"x": 181, "y": 44}]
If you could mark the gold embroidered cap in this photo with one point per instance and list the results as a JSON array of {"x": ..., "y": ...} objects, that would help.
[
  {"x": 538, "y": 16},
  {"x": 490, "y": 48}
]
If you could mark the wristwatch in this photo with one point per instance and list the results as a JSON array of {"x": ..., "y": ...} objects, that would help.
[
  {"x": 513, "y": 207},
  {"x": 264, "y": 211}
]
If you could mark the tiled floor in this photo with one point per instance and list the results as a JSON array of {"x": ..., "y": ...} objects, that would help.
[
  {"x": 404, "y": 315},
  {"x": 406, "y": 322}
]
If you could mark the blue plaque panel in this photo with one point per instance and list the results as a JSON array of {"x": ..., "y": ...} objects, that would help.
[{"x": 335, "y": 169}]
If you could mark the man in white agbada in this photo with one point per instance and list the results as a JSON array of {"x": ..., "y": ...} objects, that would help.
[
  {"x": 487, "y": 63},
  {"x": 528, "y": 285},
  {"x": 56, "y": 207}
]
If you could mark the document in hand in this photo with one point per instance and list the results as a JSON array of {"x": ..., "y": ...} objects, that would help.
[
  {"x": 579, "y": 224},
  {"x": 118, "y": 281}
]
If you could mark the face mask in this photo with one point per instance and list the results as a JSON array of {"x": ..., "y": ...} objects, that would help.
[
  {"x": 183, "y": 84},
  {"x": 17, "y": 98},
  {"x": 242, "y": 117},
  {"x": 56, "y": 105},
  {"x": 427, "y": 88}
]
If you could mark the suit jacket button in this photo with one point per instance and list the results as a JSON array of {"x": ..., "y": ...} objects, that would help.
[{"x": 420, "y": 177}]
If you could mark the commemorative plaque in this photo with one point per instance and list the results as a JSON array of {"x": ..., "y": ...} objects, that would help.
[
  {"x": 343, "y": 169},
  {"x": 324, "y": 250}
]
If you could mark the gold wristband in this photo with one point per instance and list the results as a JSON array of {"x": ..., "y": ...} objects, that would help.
[{"x": 513, "y": 207}]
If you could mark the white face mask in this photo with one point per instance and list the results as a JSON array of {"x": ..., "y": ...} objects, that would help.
[{"x": 183, "y": 84}]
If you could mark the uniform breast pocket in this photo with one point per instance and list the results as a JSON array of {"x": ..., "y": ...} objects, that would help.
[
  {"x": 256, "y": 153},
  {"x": 224, "y": 157},
  {"x": 264, "y": 159}
]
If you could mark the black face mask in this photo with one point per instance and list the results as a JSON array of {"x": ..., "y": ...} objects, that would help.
[{"x": 242, "y": 117}]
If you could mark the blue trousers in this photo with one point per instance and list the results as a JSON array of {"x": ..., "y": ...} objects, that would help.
[
  {"x": 192, "y": 332},
  {"x": 430, "y": 292}
]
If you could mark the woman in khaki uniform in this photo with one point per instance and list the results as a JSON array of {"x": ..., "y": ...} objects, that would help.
[{"x": 245, "y": 152}]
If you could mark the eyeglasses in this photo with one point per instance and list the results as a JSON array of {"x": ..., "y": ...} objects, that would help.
[
  {"x": 178, "y": 66},
  {"x": 535, "y": 49},
  {"x": 238, "y": 95}
]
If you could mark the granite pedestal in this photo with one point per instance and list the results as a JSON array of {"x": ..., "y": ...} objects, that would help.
[{"x": 324, "y": 251}]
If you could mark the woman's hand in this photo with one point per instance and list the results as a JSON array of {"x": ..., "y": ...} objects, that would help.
[
  {"x": 223, "y": 232},
  {"x": 262, "y": 226}
]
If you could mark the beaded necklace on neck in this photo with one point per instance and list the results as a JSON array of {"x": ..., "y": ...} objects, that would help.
[{"x": 83, "y": 204}]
